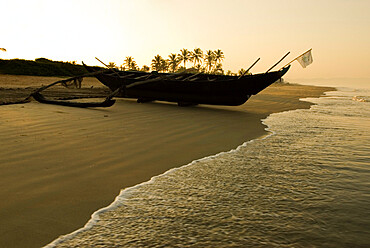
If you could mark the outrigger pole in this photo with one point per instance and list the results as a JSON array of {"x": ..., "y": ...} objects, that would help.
[
  {"x": 40, "y": 98},
  {"x": 67, "y": 80},
  {"x": 277, "y": 62},
  {"x": 110, "y": 68},
  {"x": 124, "y": 87},
  {"x": 249, "y": 68}
]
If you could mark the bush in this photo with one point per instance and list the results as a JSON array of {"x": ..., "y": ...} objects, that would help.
[{"x": 40, "y": 67}]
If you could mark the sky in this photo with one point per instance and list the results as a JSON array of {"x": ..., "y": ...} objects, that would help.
[{"x": 338, "y": 31}]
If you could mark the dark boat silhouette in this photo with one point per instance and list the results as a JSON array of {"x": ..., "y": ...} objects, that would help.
[{"x": 186, "y": 88}]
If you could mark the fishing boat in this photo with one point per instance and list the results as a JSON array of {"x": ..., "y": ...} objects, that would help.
[{"x": 186, "y": 88}]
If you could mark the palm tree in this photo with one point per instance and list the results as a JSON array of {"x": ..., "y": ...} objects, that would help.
[
  {"x": 173, "y": 62},
  {"x": 219, "y": 56},
  {"x": 112, "y": 65},
  {"x": 209, "y": 58},
  {"x": 145, "y": 68},
  {"x": 128, "y": 62},
  {"x": 184, "y": 56},
  {"x": 164, "y": 65},
  {"x": 159, "y": 64},
  {"x": 218, "y": 69},
  {"x": 156, "y": 63},
  {"x": 196, "y": 56},
  {"x": 133, "y": 66},
  {"x": 242, "y": 72},
  {"x": 199, "y": 68}
]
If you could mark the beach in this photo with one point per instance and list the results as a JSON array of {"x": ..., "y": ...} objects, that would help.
[{"x": 59, "y": 164}]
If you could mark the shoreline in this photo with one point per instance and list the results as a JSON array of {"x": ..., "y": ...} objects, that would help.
[
  {"x": 117, "y": 148},
  {"x": 126, "y": 191},
  {"x": 117, "y": 202}
]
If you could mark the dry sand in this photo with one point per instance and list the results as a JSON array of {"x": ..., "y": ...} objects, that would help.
[{"x": 60, "y": 164}]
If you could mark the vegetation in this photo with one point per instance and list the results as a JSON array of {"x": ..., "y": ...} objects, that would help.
[
  {"x": 40, "y": 67},
  {"x": 129, "y": 64},
  {"x": 159, "y": 64},
  {"x": 173, "y": 62},
  {"x": 209, "y": 61},
  {"x": 184, "y": 56},
  {"x": 196, "y": 56},
  {"x": 112, "y": 65},
  {"x": 145, "y": 68}
]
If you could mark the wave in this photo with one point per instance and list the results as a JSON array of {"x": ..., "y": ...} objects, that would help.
[{"x": 125, "y": 193}]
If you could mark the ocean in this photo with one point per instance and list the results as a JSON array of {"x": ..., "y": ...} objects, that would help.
[{"x": 305, "y": 184}]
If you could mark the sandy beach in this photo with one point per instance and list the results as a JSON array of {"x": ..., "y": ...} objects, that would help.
[{"x": 60, "y": 164}]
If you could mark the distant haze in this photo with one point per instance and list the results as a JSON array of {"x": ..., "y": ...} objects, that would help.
[{"x": 68, "y": 30}]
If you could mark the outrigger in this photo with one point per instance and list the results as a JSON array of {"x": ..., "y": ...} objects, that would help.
[{"x": 183, "y": 88}]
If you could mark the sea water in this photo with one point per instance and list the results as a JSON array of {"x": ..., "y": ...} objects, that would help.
[{"x": 306, "y": 184}]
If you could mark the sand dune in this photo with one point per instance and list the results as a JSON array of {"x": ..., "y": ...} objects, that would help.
[{"x": 60, "y": 164}]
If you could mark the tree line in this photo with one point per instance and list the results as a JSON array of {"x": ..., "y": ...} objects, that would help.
[{"x": 209, "y": 61}]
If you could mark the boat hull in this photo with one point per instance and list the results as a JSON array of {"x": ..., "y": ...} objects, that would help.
[{"x": 188, "y": 89}]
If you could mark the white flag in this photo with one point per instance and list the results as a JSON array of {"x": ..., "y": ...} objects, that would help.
[{"x": 305, "y": 59}]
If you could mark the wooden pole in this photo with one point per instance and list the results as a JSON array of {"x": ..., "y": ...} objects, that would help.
[
  {"x": 67, "y": 80},
  {"x": 108, "y": 67},
  {"x": 249, "y": 68},
  {"x": 296, "y": 58},
  {"x": 277, "y": 62}
]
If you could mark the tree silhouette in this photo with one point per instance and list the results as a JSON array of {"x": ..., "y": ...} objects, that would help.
[
  {"x": 164, "y": 65},
  {"x": 218, "y": 69},
  {"x": 242, "y": 72},
  {"x": 197, "y": 56},
  {"x": 156, "y": 63},
  {"x": 230, "y": 73},
  {"x": 219, "y": 55},
  {"x": 173, "y": 62},
  {"x": 184, "y": 56},
  {"x": 212, "y": 62},
  {"x": 159, "y": 64},
  {"x": 209, "y": 58},
  {"x": 145, "y": 68},
  {"x": 199, "y": 68},
  {"x": 133, "y": 66},
  {"x": 112, "y": 65},
  {"x": 130, "y": 64}
]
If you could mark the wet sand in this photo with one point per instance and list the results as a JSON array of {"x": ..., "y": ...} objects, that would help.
[{"x": 60, "y": 164}]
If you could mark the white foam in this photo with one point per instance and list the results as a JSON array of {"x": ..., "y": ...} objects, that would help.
[
  {"x": 125, "y": 193},
  {"x": 358, "y": 99}
]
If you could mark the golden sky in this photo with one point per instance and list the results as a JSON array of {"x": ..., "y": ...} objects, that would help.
[{"x": 338, "y": 31}]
